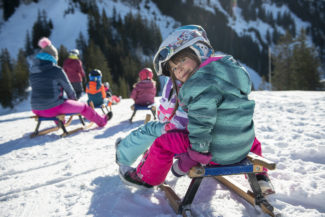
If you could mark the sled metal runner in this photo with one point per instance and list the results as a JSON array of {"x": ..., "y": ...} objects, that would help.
[
  {"x": 105, "y": 108},
  {"x": 249, "y": 166},
  {"x": 61, "y": 124}
]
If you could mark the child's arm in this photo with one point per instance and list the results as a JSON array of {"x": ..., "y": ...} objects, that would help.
[
  {"x": 202, "y": 114},
  {"x": 103, "y": 91},
  {"x": 134, "y": 93},
  {"x": 65, "y": 84}
]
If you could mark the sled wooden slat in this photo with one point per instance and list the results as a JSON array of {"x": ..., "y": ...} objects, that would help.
[
  {"x": 254, "y": 158},
  {"x": 172, "y": 197},
  {"x": 77, "y": 129},
  {"x": 243, "y": 167},
  {"x": 242, "y": 192},
  {"x": 48, "y": 130},
  {"x": 249, "y": 167},
  {"x": 60, "y": 119}
]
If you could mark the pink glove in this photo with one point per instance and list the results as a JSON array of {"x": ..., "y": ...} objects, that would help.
[{"x": 189, "y": 159}]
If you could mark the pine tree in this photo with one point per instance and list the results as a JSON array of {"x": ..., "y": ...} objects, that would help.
[
  {"x": 28, "y": 45},
  {"x": 296, "y": 65},
  {"x": 21, "y": 74},
  {"x": 123, "y": 88},
  {"x": 95, "y": 59},
  {"x": 6, "y": 86},
  {"x": 81, "y": 45},
  {"x": 9, "y": 7},
  {"x": 41, "y": 28},
  {"x": 281, "y": 78},
  {"x": 130, "y": 70},
  {"x": 63, "y": 54},
  {"x": 306, "y": 64}
]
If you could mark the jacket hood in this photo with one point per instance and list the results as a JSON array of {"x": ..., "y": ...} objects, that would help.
[
  {"x": 230, "y": 71},
  {"x": 39, "y": 66}
]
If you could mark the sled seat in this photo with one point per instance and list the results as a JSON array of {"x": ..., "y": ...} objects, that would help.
[
  {"x": 105, "y": 107},
  {"x": 61, "y": 124},
  {"x": 137, "y": 107},
  {"x": 249, "y": 166}
]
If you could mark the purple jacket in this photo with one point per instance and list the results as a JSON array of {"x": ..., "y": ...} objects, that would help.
[{"x": 144, "y": 92}]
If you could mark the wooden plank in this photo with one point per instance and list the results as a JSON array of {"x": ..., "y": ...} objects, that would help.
[
  {"x": 172, "y": 197},
  {"x": 45, "y": 131},
  {"x": 147, "y": 119},
  {"x": 77, "y": 129},
  {"x": 238, "y": 189},
  {"x": 245, "y": 194},
  {"x": 255, "y": 159},
  {"x": 196, "y": 171}
]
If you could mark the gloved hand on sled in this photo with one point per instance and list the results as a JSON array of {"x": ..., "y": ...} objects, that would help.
[{"x": 189, "y": 159}]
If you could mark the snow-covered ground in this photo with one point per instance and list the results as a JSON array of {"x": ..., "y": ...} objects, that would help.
[{"x": 77, "y": 175}]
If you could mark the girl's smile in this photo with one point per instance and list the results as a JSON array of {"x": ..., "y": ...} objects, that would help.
[{"x": 183, "y": 68}]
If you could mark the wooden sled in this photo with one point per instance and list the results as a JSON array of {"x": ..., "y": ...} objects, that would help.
[
  {"x": 136, "y": 107},
  {"x": 105, "y": 108},
  {"x": 60, "y": 119},
  {"x": 251, "y": 165}
]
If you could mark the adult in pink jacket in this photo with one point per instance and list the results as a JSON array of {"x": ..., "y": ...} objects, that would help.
[
  {"x": 73, "y": 68},
  {"x": 144, "y": 91}
]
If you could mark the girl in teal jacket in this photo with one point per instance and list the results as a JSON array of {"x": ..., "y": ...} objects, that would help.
[{"x": 215, "y": 96}]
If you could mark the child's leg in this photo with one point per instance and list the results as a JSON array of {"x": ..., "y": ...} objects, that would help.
[
  {"x": 156, "y": 164},
  {"x": 257, "y": 149},
  {"x": 52, "y": 112},
  {"x": 72, "y": 106},
  {"x": 137, "y": 142}
]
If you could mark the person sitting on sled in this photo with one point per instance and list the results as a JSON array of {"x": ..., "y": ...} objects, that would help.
[
  {"x": 214, "y": 94},
  {"x": 49, "y": 82},
  {"x": 113, "y": 98},
  {"x": 144, "y": 91},
  {"x": 95, "y": 89}
]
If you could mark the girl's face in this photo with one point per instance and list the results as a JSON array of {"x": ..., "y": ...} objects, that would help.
[{"x": 183, "y": 68}]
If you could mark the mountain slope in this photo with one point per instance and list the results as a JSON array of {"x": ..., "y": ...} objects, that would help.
[{"x": 244, "y": 29}]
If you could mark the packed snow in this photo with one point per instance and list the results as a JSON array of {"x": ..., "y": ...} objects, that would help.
[{"x": 77, "y": 175}]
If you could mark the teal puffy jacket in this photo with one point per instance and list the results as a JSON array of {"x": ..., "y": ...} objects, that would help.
[{"x": 219, "y": 111}]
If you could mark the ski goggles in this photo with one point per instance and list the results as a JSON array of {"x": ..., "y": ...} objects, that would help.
[{"x": 161, "y": 57}]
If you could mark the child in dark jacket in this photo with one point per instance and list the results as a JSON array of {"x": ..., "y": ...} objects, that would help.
[
  {"x": 95, "y": 89},
  {"x": 144, "y": 91},
  {"x": 48, "y": 81}
]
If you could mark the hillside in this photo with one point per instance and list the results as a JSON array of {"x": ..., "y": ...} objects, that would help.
[{"x": 244, "y": 29}]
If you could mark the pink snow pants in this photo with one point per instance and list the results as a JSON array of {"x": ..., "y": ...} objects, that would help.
[
  {"x": 157, "y": 162},
  {"x": 72, "y": 106}
]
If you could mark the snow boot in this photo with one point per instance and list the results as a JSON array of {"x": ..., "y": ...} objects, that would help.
[
  {"x": 117, "y": 142},
  {"x": 109, "y": 115},
  {"x": 122, "y": 168},
  {"x": 131, "y": 178}
]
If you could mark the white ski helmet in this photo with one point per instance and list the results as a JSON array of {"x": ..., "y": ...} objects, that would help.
[
  {"x": 74, "y": 52},
  {"x": 192, "y": 36}
]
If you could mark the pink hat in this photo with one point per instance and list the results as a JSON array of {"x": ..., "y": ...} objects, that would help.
[
  {"x": 47, "y": 47},
  {"x": 145, "y": 73}
]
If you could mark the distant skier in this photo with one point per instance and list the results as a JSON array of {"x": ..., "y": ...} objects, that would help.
[
  {"x": 73, "y": 67},
  {"x": 49, "y": 82}
]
